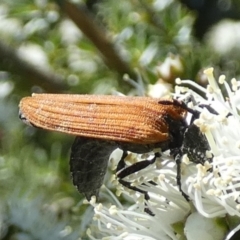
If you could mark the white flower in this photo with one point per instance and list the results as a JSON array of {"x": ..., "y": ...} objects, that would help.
[
  {"x": 213, "y": 188},
  {"x": 198, "y": 227},
  {"x": 216, "y": 192}
]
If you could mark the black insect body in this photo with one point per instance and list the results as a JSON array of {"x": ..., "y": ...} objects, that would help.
[
  {"x": 88, "y": 164},
  {"x": 195, "y": 145}
]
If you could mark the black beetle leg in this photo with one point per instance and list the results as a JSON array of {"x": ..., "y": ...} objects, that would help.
[
  {"x": 178, "y": 159},
  {"x": 124, "y": 172}
]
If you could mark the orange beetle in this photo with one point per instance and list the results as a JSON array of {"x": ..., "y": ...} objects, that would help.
[{"x": 104, "y": 123}]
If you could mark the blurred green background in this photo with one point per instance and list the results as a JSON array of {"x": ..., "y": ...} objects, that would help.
[{"x": 87, "y": 47}]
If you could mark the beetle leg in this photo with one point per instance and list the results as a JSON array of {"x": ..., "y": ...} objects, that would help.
[
  {"x": 178, "y": 159},
  {"x": 121, "y": 164},
  {"x": 126, "y": 171}
]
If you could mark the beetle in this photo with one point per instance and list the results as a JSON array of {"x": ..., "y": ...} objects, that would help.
[{"x": 103, "y": 123}]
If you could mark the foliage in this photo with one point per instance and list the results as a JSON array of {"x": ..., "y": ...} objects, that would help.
[{"x": 37, "y": 197}]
